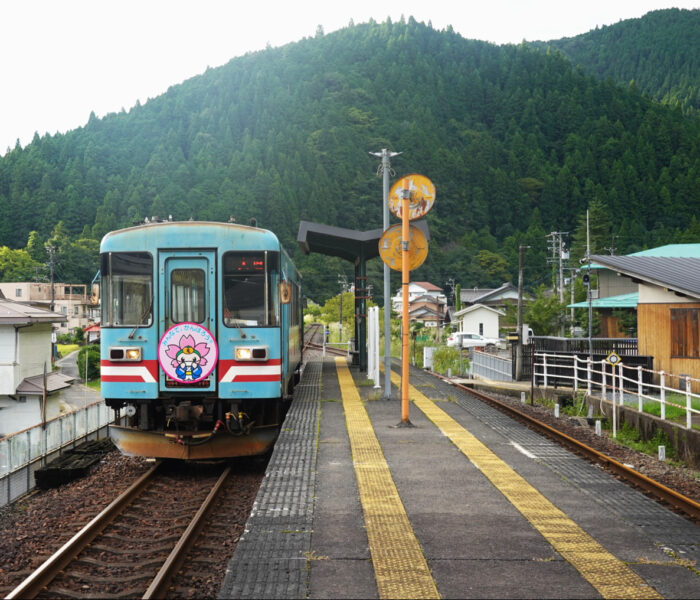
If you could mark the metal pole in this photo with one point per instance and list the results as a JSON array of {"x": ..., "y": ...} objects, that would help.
[
  {"x": 588, "y": 287},
  {"x": 404, "y": 304},
  {"x": 385, "y": 167},
  {"x": 519, "y": 347}
]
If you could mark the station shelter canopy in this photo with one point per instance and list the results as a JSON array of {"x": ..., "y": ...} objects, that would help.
[{"x": 357, "y": 247}]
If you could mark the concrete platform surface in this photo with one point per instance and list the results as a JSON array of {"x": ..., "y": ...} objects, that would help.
[{"x": 466, "y": 502}]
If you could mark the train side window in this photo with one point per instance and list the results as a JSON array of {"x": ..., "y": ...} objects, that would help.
[
  {"x": 127, "y": 281},
  {"x": 187, "y": 296},
  {"x": 244, "y": 289}
]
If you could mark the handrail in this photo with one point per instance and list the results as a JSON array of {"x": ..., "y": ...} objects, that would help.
[{"x": 548, "y": 367}]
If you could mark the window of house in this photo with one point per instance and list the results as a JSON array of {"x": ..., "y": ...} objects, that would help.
[
  {"x": 685, "y": 333},
  {"x": 18, "y": 292}
]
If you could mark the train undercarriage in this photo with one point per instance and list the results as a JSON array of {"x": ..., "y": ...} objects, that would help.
[{"x": 197, "y": 428}]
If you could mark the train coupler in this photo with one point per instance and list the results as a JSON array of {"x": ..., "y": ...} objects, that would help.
[{"x": 238, "y": 424}]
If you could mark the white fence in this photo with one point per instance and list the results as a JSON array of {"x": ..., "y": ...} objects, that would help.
[
  {"x": 620, "y": 383},
  {"x": 22, "y": 453}
]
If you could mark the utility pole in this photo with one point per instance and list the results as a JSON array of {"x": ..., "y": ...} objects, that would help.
[
  {"x": 519, "y": 348},
  {"x": 588, "y": 288},
  {"x": 51, "y": 251},
  {"x": 385, "y": 170},
  {"x": 572, "y": 275},
  {"x": 556, "y": 245}
]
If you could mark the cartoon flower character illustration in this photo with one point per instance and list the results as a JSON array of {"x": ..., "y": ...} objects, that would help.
[{"x": 188, "y": 358}]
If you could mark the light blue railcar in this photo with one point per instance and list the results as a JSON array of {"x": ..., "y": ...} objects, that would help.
[{"x": 201, "y": 338}]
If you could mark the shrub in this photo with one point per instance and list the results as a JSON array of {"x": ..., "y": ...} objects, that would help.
[
  {"x": 93, "y": 362},
  {"x": 445, "y": 358}
]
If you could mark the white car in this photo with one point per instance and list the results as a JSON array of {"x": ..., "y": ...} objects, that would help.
[{"x": 473, "y": 340}]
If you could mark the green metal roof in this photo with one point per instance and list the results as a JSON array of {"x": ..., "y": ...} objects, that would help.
[
  {"x": 621, "y": 301},
  {"x": 668, "y": 251},
  {"x": 672, "y": 251}
]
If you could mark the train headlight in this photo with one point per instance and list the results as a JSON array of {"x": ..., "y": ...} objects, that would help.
[
  {"x": 125, "y": 354},
  {"x": 251, "y": 353}
]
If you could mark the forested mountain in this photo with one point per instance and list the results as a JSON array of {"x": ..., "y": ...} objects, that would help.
[
  {"x": 517, "y": 141},
  {"x": 659, "y": 54}
]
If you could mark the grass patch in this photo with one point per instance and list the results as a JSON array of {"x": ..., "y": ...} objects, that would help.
[
  {"x": 429, "y": 386},
  {"x": 365, "y": 383},
  {"x": 65, "y": 349},
  {"x": 630, "y": 437},
  {"x": 672, "y": 412}
]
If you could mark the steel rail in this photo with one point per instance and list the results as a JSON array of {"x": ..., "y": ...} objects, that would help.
[
  {"x": 686, "y": 505},
  {"x": 159, "y": 586},
  {"x": 329, "y": 349},
  {"x": 48, "y": 571},
  {"x": 310, "y": 333}
]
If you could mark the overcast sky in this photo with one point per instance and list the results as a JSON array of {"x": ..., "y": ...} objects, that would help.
[{"x": 62, "y": 59}]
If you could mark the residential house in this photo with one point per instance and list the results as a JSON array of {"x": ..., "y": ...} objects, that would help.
[
  {"x": 668, "y": 308},
  {"x": 494, "y": 297},
  {"x": 480, "y": 319},
  {"x": 25, "y": 356},
  {"x": 71, "y": 300},
  {"x": 616, "y": 293},
  {"x": 417, "y": 289},
  {"x": 427, "y": 309},
  {"x": 92, "y": 334}
]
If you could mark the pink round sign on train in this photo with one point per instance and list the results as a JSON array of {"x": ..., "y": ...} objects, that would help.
[{"x": 187, "y": 352}]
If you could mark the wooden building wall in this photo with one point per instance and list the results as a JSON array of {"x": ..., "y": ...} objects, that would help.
[
  {"x": 654, "y": 334},
  {"x": 610, "y": 326}
]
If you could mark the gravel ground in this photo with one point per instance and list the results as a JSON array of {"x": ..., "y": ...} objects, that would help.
[{"x": 33, "y": 528}]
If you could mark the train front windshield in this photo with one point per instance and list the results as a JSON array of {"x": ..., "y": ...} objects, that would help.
[
  {"x": 250, "y": 289},
  {"x": 127, "y": 281}
]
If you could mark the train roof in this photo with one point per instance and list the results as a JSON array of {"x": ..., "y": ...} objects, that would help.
[{"x": 203, "y": 234}]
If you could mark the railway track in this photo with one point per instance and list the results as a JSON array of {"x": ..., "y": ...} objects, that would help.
[
  {"x": 141, "y": 545},
  {"x": 312, "y": 333},
  {"x": 313, "y": 340},
  {"x": 678, "y": 501}
]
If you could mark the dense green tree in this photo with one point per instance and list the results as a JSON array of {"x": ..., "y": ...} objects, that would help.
[
  {"x": 545, "y": 313},
  {"x": 17, "y": 265},
  {"x": 35, "y": 247}
]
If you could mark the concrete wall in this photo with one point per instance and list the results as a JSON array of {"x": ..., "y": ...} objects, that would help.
[{"x": 34, "y": 349}]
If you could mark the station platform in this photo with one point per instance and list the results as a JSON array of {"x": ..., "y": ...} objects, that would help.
[{"x": 466, "y": 503}]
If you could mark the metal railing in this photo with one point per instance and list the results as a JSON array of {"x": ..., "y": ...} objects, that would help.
[
  {"x": 491, "y": 366},
  {"x": 622, "y": 384},
  {"x": 22, "y": 453}
]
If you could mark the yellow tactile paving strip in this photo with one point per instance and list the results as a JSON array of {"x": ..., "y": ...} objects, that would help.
[
  {"x": 400, "y": 568},
  {"x": 606, "y": 573}
]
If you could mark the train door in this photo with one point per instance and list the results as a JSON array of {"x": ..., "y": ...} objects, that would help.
[{"x": 187, "y": 351}]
